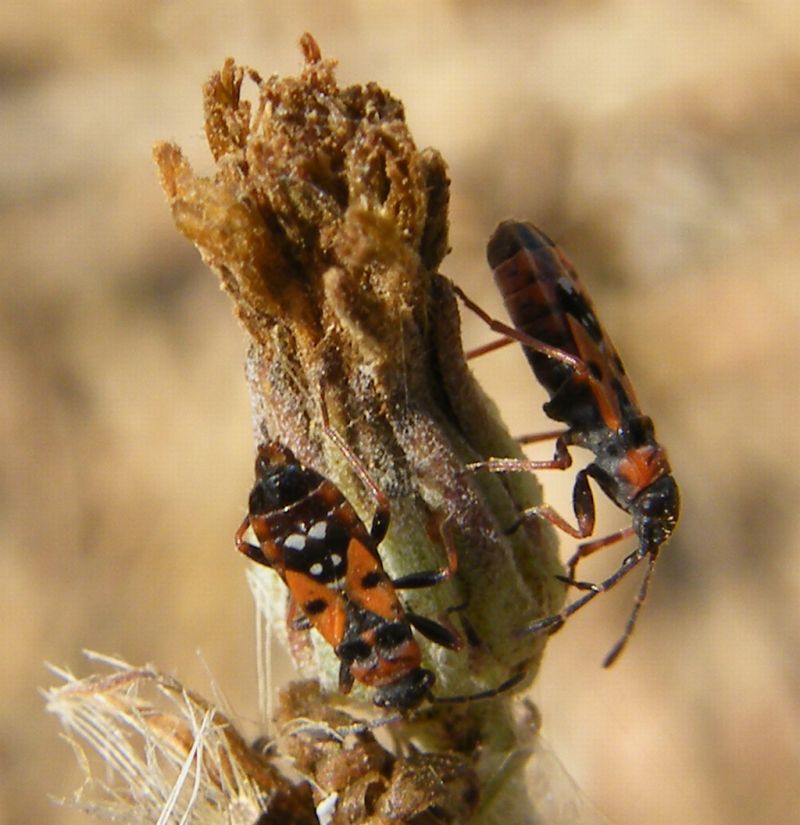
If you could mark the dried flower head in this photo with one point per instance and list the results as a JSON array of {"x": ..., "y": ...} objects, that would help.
[{"x": 327, "y": 226}]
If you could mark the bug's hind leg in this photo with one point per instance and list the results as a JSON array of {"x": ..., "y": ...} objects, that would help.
[
  {"x": 484, "y": 349},
  {"x": 245, "y": 545},
  {"x": 520, "y": 337}
]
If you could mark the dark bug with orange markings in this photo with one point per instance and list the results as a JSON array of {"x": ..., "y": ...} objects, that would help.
[
  {"x": 574, "y": 360},
  {"x": 310, "y": 534}
]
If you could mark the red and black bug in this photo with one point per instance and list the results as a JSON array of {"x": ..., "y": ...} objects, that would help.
[
  {"x": 590, "y": 392},
  {"x": 310, "y": 534}
]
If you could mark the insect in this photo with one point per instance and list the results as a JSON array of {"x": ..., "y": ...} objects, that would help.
[
  {"x": 311, "y": 535},
  {"x": 590, "y": 392}
]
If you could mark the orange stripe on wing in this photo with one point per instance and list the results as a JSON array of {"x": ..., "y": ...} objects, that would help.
[
  {"x": 332, "y": 621},
  {"x": 380, "y": 599},
  {"x": 594, "y": 357}
]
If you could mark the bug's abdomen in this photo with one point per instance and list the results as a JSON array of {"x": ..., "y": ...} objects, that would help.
[
  {"x": 544, "y": 300},
  {"x": 527, "y": 270}
]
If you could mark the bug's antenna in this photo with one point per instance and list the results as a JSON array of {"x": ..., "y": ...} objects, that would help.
[
  {"x": 510, "y": 683},
  {"x": 613, "y": 654},
  {"x": 555, "y": 621}
]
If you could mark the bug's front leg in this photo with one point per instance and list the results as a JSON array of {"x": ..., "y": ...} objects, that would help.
[
  {"x": 264, "y": 551},
  {"x": 244, "y": 546},
  {"x": 590, "y": 547},
  {"x": 582, "y": 506}
]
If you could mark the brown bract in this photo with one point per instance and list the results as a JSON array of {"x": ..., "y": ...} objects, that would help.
[
  {"x": 368, "y": 783},
  {"x": 327, "y": 226}
]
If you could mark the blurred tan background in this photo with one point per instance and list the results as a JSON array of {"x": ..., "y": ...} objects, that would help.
[{"x": 658, "y": 142}]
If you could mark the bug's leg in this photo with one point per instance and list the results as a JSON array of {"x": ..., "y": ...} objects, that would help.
[
  {"x": 490, "y": 347},
  {"x": 435, "y": 632},
  {"x": 582, "y": 506},
  {"x": 346, "y": 679},
  {"x": 295, "y": 618},
  {"x": 443, "y": 633},
  {"x": 380, "y": 521},
  {"x": 239, "y": 538},
  {"x": 470, "y": 634},
  {"x": 297, "y": 627},
  {"x": 244, "y": 545},
  {"x": 590, "y": 547},
  {"x": 520, "y": 337},
  {"x": 561, "y": 459},
  {"x": 428, "y": 578},
  {"x": 532, "y": 438}
]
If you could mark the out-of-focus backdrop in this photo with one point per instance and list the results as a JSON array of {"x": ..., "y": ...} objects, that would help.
[{"x": 658, "y": 142}]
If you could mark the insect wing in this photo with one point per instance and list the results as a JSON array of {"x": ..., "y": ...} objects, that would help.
[
  {"x": 559, "y": 799},
  {"x": 324, "y": 606},
  {"x": 545, "y": 300},
  {"x": 368, "y": 585}
]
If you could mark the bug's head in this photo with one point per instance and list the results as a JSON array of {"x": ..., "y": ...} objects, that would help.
[
  {"x": 406, "y": 693},
  {"x": 656, "y": 512},
  {"x": 280, "y": 479}
]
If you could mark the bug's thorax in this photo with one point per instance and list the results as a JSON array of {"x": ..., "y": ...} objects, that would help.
[
  {"x": 627, "y": 459},
  {"x": 378, "y": 652},
  {"x": 640, "y": 467},
  {"x": 624, "y": 475}
]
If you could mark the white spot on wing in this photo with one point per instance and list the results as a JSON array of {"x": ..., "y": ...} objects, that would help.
[
  {"x": 295, "y": 542},
  {"x": 318, "y": 531}
]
